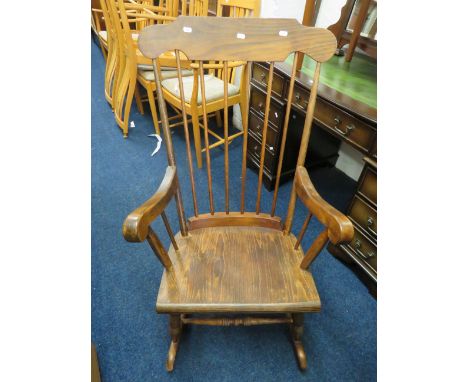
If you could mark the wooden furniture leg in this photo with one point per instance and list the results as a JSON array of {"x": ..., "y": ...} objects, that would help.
[
  {"x": 154, "y": 112},
  {"x": 357, "y": 29},
  {"x": 197, "y": 138},
  {"x": 219, "y": 121},
  {"x": 297, "y": 332},
  {"x": 138, "y": 100},
  {"x": 175, "y": 329}
]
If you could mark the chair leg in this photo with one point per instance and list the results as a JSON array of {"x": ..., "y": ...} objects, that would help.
[
  {"x": 297, "y": 332},
  {"x": 138, "y": 100},
  {"x": 196, "y": 137},
  {"x": 154, "y": 112},
  {"x": 244, "y": 109},
  {"x": 175, "y": 329},
  {"x": 219, "y": 121}
]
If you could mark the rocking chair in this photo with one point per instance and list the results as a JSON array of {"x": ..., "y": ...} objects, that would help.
[{"x": 244, "y": 263}]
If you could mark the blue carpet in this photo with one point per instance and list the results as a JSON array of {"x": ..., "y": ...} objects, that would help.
[{"x": 132, "y": 340}]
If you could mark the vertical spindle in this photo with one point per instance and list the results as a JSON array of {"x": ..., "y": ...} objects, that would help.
[
  {"x": 207, "y": 142},
  {"x": 264, "y": 134}
]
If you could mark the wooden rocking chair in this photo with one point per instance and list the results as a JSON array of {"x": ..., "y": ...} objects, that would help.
[{"x": 246, "y": 263}]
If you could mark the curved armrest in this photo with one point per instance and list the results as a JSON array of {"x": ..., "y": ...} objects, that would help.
[
  {"x": 135, "y": 227},
  {"x": 340, "y": 228}
]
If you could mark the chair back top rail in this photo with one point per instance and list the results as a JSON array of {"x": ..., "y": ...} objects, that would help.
[{"x": 232, "y": 39}]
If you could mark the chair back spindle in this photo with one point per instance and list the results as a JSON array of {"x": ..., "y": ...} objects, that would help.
[
  {"x": 170, "y": 149},
  {"x": 186, "y": 133},
  {"x": 304, "y": 144},
  {"x": 207, "y": 141}
]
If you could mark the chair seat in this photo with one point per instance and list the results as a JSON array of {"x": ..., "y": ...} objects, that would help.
[
  {"x": 236, "y": 269},
  {"x": 146, "y": 71},
  {"x": 214, "y": 88}
]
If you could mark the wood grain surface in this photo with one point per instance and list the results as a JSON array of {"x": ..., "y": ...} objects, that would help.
[
  {"x": 223, "y": 38},
  {"x": 236, "y": 269}
]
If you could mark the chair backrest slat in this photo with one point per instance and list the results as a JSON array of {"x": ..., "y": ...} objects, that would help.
[
  {"x": 170, "y": 149},
  {"x": 264, "y": 136},
  {"x": 285, "y": 133},
  {"x": 186, "y": 133},
  {"x": 245, "y": 118},
  {"x": 304, "y": 144},
  {"x": 226, "y": 134},
  {"x": 207, "y": 141}
]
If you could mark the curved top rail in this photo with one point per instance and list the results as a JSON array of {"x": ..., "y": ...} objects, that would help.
[{"x": 232, "y": 39}]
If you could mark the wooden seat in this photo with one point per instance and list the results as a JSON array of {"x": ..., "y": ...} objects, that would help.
[
  {"x": 236, "y": 269},
  {"x": 234, "y": 261}
]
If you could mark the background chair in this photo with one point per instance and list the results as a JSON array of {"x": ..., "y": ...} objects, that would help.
[{"x": 245, "y": 263}]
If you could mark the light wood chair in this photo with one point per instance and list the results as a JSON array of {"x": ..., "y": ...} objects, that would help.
[
  {"x": 229, "y": 260},
  {"x": 122, "y": 14},
  {"x": 238, "y": 8},
  {"x": 98, "y": 25},
  {"x": 133, "y": 67}
]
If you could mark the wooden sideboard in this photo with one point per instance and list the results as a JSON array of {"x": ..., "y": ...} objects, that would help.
[{"x": 338, "y": 118}]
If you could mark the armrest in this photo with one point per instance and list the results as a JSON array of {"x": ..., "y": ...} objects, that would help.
[
  {"x": 135, "y": 227},
  {"x": 340, "y": 228}
]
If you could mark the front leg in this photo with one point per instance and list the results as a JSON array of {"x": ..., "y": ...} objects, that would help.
[
  {"x": 297, "y": 332},
  {"x": 175, "y": 329}
]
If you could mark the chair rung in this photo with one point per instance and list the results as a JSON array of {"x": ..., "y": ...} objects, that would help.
[
  {"x": 236, "y": 321},
  {"x": 221, "y": 140}
]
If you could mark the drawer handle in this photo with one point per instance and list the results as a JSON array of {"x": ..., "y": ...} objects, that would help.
[
  {"x": 357, "y": 246},
  {"x": 370, "y": 222},
  {"x": 260, "y": 105},
  {"x": 298, "y": 98},
  {"x": 348, "y": 128},
  {"x": 263, "y": 75}
]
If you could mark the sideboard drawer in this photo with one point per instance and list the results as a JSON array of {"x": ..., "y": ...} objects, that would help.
[
  {"x": 260, "y": 75},
  {"x": 350, "y": 129},
  {"x": 301, "y": 98},
  {"x": 256, "y": 129},
  {"x": 254, "y": 148},
  {"x": 258, "y": 101},
  {"x": 364, "y": 248},
  {"x": 364, "y": 215},
  {"x": 368, "y": 184}
]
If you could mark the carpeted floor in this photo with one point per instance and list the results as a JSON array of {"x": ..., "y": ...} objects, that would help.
[{"x": 132, "y": 340}]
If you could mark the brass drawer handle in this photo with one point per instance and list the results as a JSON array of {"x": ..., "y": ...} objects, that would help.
[
  {"x": 348, "y": 127},
  {"x": 263, "y": 75},
  {"x": 304, "y": 103},
  {"x": 357, "y": 246},
  {"x": 260, "y": 105},
  {"x": 370, "y": 222}
]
